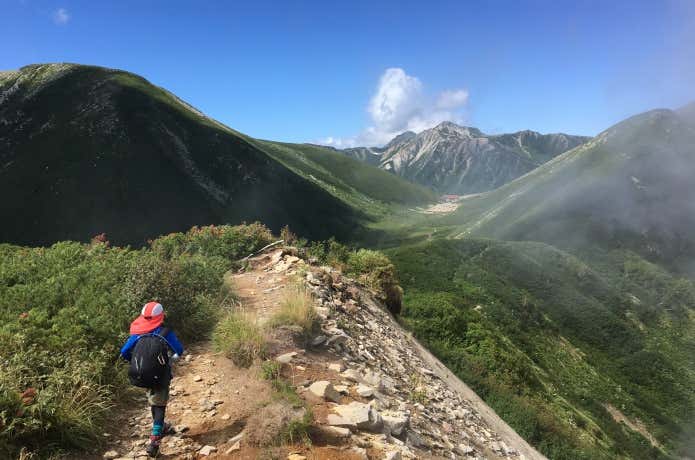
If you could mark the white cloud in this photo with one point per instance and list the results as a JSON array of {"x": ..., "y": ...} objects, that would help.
[
  {"x": 452, "y": 99},
  {"x": 400, "y": 104},
  {"x": 397, "y": 99},
  {"x": 61, "y": 16}
]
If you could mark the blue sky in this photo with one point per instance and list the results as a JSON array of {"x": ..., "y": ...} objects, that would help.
[{"x": 357, "y": 72}]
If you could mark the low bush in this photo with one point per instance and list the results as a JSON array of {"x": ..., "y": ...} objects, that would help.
[
  {"x": 372, "y": 268},
  {"x": 227, "y": 241},
  {"x": 375, "y": 270},
  {"x": 65, "y": 311}
]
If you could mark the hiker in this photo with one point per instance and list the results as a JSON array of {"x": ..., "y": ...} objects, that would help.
[{"x": 147, "y": 349}]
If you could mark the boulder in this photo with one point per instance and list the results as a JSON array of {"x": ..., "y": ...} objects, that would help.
[
  {"x": 286, "y": 358},
  {"x": 356, "y": 415},
  {"x": 337, "y": 367},
  {"x": 336, "y": 431},
  {"x": 352, "y": 375},
  {"x": 324, "y": 389},
  {"x": 395, "y": 422},
  {"x": 110, "y": 455},
  {"x": 373, "y": 379},
  {"x": 364, "y": 390}
]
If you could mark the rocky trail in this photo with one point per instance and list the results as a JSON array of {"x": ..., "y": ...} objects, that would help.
[{"x": 373, "y": 392}]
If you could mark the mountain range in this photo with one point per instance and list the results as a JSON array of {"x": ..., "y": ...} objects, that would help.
[{"x": 460, "y": 160}]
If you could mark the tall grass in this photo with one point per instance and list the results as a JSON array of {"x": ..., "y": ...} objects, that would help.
[
  {"x": 296, "y": 309},
  {"x": 240, "y": 338}
]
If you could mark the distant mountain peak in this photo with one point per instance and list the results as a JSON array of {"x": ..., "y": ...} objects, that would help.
[
  {"x": 449, "y": 127},
  {"x": 454, "y": 159}
]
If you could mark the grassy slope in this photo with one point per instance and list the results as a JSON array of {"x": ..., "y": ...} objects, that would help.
[
  {"x": 86, "y": 150},
  {"x": 354, "y": 181},
  {"x": 547, "y": 339}
]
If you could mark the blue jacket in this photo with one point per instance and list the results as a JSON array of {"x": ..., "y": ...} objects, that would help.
[{"x": 170, "y": 338}]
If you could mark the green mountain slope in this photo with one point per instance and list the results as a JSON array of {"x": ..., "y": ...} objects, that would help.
[
  {"x": 553, "y": 343},
  {"x": 85, "y": 150},
  {"x": 630, "y": 187},
  {"x": 359, "y": 184}
]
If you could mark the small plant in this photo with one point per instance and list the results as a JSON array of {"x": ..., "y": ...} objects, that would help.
[
  {"x": 297, "y": 431},
  {"x": 416, "y": 392},
  {"x": 270, "y": 370},
  {"x": 287, "y": 235},
  {"x": 240, "y": 338}
]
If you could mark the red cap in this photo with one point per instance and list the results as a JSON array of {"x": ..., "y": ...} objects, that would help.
[{"x": 151, "y": 318}]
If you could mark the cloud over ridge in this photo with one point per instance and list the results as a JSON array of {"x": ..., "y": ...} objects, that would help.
[{"x": 400, "y": 104}]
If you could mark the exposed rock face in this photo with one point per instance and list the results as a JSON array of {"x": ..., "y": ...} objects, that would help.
[
  {"x": 460, "y": 160},
  {"x": 373, "y": 155},
  {"x": 410, "y": 405}
]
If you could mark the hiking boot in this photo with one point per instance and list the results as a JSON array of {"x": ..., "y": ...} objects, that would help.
[
  {"x": 168, "y": 429},
  {"x": 153, "y": 447}
]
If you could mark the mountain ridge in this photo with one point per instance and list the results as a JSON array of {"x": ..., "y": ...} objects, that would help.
[
  {"x": 455, "y": 159},
  {"x": 80, "y": 144}
]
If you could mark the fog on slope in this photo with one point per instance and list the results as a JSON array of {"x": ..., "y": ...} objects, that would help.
[{"x": 631, "y": 187}]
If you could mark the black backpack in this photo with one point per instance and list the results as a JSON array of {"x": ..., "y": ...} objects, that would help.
[{"x": 149, "y": 364}]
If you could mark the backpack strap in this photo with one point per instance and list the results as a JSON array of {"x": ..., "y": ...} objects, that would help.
[{"x": 163, "y": 335}]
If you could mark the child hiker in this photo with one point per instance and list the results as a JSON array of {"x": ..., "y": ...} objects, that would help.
[{"x": 147, "y": 349}]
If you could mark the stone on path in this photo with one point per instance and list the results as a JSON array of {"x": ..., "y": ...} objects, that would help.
[
  {"x": 337, "y": 367},
  {"x": 286, "y": 358},
  {"x": 394, "y": 455},
  {"x": 324, "y": 389},
  {"x": 365, "y": 390},
  {"x": 236, "y": 438},
  {"x": 207, "y": 450},
  {"x": 295, "y": 456},
  {"x": 352, "y": 375},
  {"x": 110, "y": 455},
  {"x": 236, "y": 446},
  {"x": 356, "y": 415},
  {"x": 197, "y": 378}
]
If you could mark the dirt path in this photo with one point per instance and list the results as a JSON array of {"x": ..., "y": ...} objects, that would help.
[{"x": 211, "y": 399}]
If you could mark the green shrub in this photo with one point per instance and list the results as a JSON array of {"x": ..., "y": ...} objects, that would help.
[
  {"x": 329, "y": 252},
  {"x": 374, "y": 269},
  {"x": 65, "y": 312},
  {"x": 229, "y": 242},
  {"x": 240, "y": 338}
]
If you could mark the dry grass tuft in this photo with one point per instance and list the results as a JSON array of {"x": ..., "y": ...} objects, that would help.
[
  {"x": 240, "y": 338},
  {"x": 276, "y": 424},
  {"x": 297, "y": 308}
]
